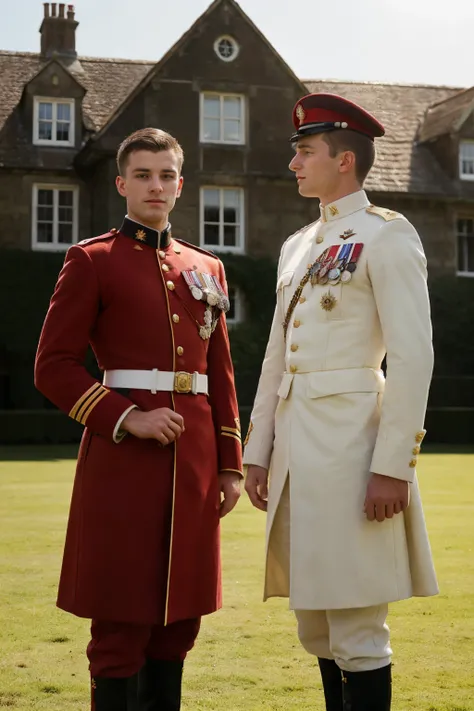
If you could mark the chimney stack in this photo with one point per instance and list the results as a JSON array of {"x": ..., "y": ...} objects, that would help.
[{"x": 58, "y": 32}]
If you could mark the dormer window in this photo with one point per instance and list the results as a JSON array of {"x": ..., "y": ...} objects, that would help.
[
  {"x": 53, "y": 122},
  {"x": 466, "y": 160}
]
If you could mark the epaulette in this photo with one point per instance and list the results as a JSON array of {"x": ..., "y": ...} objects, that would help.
[
  {"x": 194, "y": 246},
  {"x": 108, "y": 235},
  {"x": 384, "y": 213}
]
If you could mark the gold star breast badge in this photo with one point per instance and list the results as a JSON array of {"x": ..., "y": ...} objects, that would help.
[
  {"x": 328, "y": 301},
  {"x": 141, "y": 235},
  {"x": 300, "y": 113}
]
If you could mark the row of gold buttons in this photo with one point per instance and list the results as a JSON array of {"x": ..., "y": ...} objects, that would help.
[{"x": 170, "y": 285}]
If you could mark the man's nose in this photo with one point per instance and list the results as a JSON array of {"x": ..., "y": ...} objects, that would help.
[
  {"x": 155, "y": 185},
  {"x": 294, "y": 163}
]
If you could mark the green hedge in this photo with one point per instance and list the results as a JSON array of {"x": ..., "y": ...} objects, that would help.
[{"x": 27, "y": 280}]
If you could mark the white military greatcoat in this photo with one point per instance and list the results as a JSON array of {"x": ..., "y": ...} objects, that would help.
[{"x": 325, "y": 417}]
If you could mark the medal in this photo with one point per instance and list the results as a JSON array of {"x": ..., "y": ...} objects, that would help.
[
  {"x": 346, "y": 277},
  {"x": 354, "y": 257},
  {"x": 206, "y": 330},
  {"x": 195, "y": 290},
  {"x": 211, "y": 291},
  {"x": 223, "y": 302}
]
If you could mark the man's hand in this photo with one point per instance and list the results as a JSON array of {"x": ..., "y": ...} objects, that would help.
[
  {"x": 163, "y": 425},
  {"x": 385, "y": 497},
  {"x": 229, "y": 484},
  {"x": 256, "y": 486}
]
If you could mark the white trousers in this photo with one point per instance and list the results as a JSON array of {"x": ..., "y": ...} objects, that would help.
[{"x": 357, "y": 639}]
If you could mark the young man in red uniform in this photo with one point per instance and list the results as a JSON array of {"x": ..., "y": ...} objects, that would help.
[{"x": 160, "y": 458}]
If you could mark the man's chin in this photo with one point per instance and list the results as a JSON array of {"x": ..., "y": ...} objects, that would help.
[{"x": 304, "y": 191}]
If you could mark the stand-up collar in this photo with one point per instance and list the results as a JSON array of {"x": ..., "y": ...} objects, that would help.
[
  {"x": 345, "y": 206},
  {"x": 146, "y": 235}
]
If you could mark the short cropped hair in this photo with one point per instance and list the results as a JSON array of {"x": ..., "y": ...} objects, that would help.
[
  {"x": 362, "y": 146},
  {"x": 147, "y": 139}
]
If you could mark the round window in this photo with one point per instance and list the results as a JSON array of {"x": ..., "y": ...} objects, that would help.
[{"x": 226, "y": 48}]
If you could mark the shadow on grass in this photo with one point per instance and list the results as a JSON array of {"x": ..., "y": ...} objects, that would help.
[{"x": 36, "y": 453}]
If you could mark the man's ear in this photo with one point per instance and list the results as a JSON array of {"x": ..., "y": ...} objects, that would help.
[
  {"x": 180, "y": 186},
  {"x": 348, "y": 161},
  {"x": 120, "y": 184}
]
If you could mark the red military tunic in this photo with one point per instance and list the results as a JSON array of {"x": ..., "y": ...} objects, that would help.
[{"x": 142, "y": 543}]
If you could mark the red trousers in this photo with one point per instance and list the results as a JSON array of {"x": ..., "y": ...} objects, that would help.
[{"x": 119, "y": 649}]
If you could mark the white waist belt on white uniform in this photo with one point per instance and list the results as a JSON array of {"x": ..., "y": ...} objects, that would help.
[{"x": 157, "y": 381}]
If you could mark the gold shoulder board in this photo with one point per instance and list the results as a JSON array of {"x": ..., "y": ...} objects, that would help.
[{"x": 383, "y": 212}]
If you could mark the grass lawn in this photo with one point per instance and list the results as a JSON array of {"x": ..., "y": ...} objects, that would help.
[{"x": 247, "y": 656}]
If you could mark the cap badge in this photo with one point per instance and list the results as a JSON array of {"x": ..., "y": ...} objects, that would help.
[{"x": 300, "y": 113}]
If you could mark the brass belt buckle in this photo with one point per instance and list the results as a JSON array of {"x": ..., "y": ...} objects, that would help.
[{"x": 183, "y": 382}]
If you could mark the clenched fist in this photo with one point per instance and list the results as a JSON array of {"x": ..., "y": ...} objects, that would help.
[
  {"x": 385, "y": 497},
  {"x": 163, "y": 424},
  {"x": 256, "y": 486}
]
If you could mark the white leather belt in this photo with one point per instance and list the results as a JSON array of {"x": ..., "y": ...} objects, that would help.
[{"x": 156, "y": 381}]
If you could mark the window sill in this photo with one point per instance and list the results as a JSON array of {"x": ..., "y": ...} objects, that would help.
[
  {"x": 218, "y": 249},
  {"x": 222, "y": 143},
  {"x": 39, "y": 247},
  {"x": 53, "y": 144}
]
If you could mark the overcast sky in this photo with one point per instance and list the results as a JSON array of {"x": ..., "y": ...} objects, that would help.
[{"x": 405, "y": 41}]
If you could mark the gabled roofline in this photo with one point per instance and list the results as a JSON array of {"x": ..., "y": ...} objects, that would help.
[
  {"x": 156, "y": 68},
  {"x": 449, "y": 98},
  {"x": 401, "y": 85},
  {"x": 55, "y": 60}
]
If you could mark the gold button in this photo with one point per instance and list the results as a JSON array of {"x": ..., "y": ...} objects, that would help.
[
  {"x": 302, "y": 299},
  {"x": 170, "y": 285},
  {"x": 176, "y": 318},
  {"x": 162, "y": 254},
  {"x": 420, "y": 437},
  {"x": 180, "y": 350},
  {"x": 297, "y": 323},
  {"x": 293, "y": 369},
  {"x": 165, "y": 268},
  {"x": 413, "y": 463},
  {"x": 416, "y": 450},
  {"x": 319, "y": 239},
  {"x": 294, "y": 347}
]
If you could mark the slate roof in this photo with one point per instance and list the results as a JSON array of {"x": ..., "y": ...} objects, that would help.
[
  {"x": 403, "y": 163},
  {"x": 108, "y": 82}
]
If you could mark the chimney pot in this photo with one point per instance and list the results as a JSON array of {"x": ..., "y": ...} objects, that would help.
[{"x": 58, "y": 34}]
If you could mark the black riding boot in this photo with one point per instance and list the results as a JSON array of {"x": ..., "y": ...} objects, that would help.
[
  {"x": 114, "y": 694},
  {"x": 368, "y": 691},
  {"x": 332, "y": 684},
  {"x": 159, "y": 686}
]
